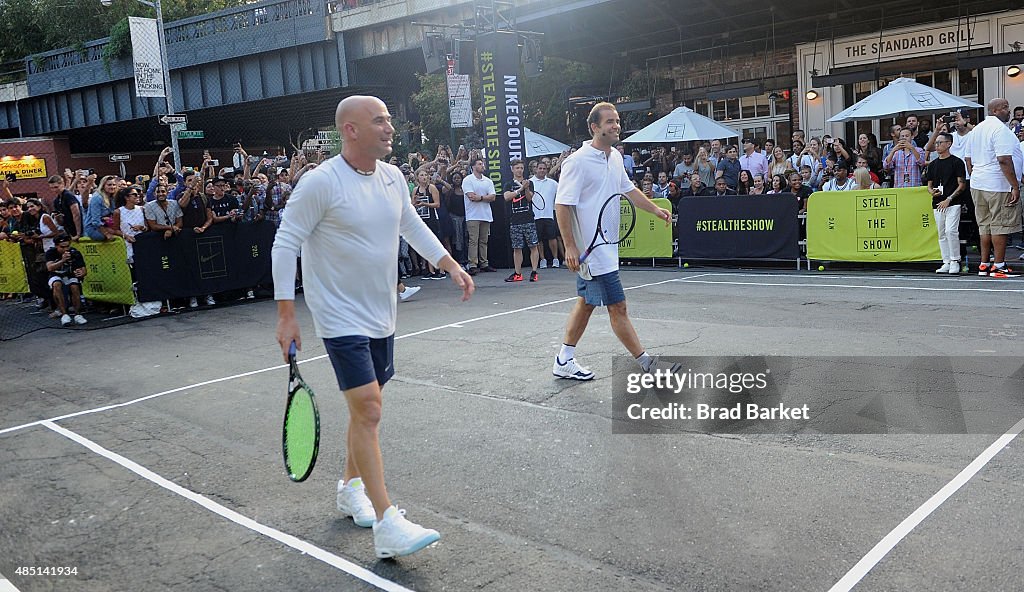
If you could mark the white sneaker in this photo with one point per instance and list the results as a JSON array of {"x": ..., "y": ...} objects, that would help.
[
  {"x": 1021, "y": 257},
  {"x": 571, "y": 369},
  {"x": 409, "y": 292},
  {"x": 954, "y": 268},
  {"x": 554, "y": 263},
  {"x": 80, "y": 320},
  {"x": 192, "y": 302},
  {"x": 943, "y": 269},
  {"x": 352, "y": 501},
  {"x": 250, "y": 295},
  {"x": 210, "y": 301},
  {"x": 543, "y": 263},
  {"x": 65, "y": 320},
  {"x": 395, "y": 536}
]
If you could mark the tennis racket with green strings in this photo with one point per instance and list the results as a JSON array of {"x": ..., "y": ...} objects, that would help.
[{"x": 301, "y": 435}]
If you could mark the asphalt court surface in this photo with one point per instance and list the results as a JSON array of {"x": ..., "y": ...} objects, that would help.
[{"x": 518, "y": 471}]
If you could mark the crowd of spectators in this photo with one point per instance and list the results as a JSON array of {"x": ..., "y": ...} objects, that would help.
[
  {"x": 914, "y": 156},
  {"x": 165, "y": 203},
  {"x": 453, "y": 195}
]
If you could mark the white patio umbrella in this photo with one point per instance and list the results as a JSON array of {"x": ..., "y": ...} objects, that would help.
[
  {"x": 681, "y": 125},
  {"x": 902, "y": 95},
  {"x": 541, "y": 145}
]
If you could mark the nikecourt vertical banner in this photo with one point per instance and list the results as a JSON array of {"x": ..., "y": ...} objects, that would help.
[{"x": 503, "y": 127}]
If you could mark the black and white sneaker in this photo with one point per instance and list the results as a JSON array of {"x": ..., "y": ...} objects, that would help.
[{"x": 571, "y": 369}]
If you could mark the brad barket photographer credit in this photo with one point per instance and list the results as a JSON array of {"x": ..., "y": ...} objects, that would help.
[
  {"x": 711, "y": 386},
  {"x": 705, "y": 411}
]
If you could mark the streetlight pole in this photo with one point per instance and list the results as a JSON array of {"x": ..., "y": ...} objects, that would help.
[{"x": 155, "y": 4}]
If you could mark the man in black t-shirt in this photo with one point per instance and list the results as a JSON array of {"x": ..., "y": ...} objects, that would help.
[
  {"x": 66, "y": 267},
  {"x": 946, "y": 181},
  {"x": 224, "y": 205},
  {"x": 66, "y": 206},
  {"x": 522, "y": 228}
]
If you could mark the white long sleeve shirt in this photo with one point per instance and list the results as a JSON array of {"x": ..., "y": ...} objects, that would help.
[{"x": 348, "y": 225}]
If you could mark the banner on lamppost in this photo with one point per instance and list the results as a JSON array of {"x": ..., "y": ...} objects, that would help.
[
  {"x": 149, "y": 70},
  {"x": 460, "y": 106}
]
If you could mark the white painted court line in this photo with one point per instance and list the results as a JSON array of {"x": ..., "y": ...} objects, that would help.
[
  {"x": 869, "y": 561},
  {"x": 859, "y": 286},
  {"x": 6, "y": 585},
  {"x": 457, "y": 324},
  {"x": 902, "y": 278},
  {"x": 285, "y": 539}
]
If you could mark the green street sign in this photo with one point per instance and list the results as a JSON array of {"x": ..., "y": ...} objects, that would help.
[{"x": 190, "y": 134}]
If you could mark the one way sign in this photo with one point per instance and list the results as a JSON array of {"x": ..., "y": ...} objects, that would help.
[{"x": 169, "y": 119}]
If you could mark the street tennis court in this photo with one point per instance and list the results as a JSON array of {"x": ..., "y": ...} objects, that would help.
[{"x": 148, "y": 456}]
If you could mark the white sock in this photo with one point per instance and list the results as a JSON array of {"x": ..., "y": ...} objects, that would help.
[
  {"x": 566, "y": 353},
  {"x": 645, "y": 361},
  {"x": 355, "y": 482},
  {"x": 1000, "y": 265}
]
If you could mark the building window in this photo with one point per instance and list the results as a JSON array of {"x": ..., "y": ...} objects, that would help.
[
  {"x": 968, "y": 83},
  {"x": 719, "y": 113}
]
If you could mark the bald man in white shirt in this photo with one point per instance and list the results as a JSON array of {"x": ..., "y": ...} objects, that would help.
[{"x": 346, "y": 215}]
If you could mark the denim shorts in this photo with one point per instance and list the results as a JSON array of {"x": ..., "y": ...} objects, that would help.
[
  {"x": 603, "y": 290},
  {"x": 359, "y": 360}
]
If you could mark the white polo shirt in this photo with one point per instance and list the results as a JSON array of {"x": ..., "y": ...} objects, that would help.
[
  {"x": 987, "y": 141},
  {"x": 478, "y": 210},
  {"x": 547, "y": 187},
  {"x": 589, "y": 177}
]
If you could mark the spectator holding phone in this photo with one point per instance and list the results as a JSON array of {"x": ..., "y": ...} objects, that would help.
[
  {"x": 67, "y": 210},
  {"x": 224, "y": 205},
  {"x": 905, "y": 160},
  {"x": 99, "y": 216},
  {"x": 66, "y": 268},
  {"x": 160, "y": 171}
]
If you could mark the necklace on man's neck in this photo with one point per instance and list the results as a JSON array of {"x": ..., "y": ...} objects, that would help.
[{"x": 358, "y": 170}]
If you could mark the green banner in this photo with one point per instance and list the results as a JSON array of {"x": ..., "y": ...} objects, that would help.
[
  {"x": 107, "y": 277},
  {"x": 886, "y": 225},
  {"x": 13, "y": 279},
  {"x": 651, "y": 237}
]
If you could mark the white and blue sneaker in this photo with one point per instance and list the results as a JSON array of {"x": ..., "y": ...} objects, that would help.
[
  {"x": 352, "y": 501},
  {"x": 395, "y": 536},
  {"x": 571, "y": 369}
]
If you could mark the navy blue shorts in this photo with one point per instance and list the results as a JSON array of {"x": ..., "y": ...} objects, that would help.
[
  {"x": 603, "y": 290},
  {"x": 361, "y": 360}
]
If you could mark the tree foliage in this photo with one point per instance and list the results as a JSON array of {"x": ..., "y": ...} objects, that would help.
[
  {"x": 636, "y": 87},
  {"x": 545, "y": 102},
  {"x": 431, "y": 102},
  {"x": 35, "y": 26}
]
